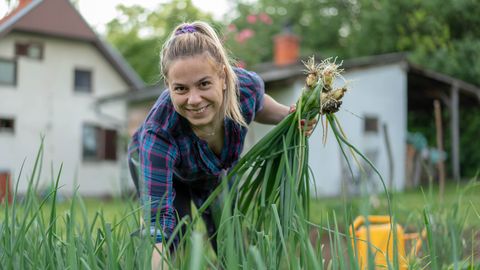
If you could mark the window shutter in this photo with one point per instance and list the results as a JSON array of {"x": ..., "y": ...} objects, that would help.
[{"x": 110, "y": 144}]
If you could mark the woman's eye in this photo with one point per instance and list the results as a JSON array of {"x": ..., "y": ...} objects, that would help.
[
  {"x": 205, "y": 84},
  {"x": 179, "y": 89}
]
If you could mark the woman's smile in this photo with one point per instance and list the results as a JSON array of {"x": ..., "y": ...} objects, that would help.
[{"x": 198, "y": 111}]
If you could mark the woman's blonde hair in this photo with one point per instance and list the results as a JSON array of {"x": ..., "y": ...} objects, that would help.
[{"x": 190, "y": 39}]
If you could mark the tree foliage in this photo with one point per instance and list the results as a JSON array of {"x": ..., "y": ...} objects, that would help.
[{"x": 445, "y": 39}]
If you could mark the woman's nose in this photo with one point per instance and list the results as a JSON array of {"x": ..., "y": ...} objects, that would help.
[{"x": 194, "y": 97}]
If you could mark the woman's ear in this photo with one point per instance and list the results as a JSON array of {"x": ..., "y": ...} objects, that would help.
[{"x": 224, "y": 77}]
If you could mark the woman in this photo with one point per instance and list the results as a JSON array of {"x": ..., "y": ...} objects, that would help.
[{"x": 196, "y": 130}]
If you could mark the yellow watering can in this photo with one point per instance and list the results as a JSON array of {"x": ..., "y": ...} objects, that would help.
[{"x": 377, "y": 233}]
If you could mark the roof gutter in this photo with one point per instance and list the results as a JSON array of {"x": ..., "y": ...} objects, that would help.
[{"x": 5, "y": 27}]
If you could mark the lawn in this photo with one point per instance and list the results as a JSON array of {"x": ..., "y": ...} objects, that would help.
[{"x": 406, "y": 205}]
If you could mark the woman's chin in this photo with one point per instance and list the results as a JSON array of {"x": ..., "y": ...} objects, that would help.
[{"x": 199, "y": 121}]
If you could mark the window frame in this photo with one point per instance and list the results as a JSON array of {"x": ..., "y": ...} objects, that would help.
[
  {"x": 106, "y": 144},
  {"x": 27, "y": 46},
  {"x": 15, "y": 71},
  {"x": 79, "y": 89},
  {"x": 371, "y": 124},
  {"x": 4, "y": 130}
]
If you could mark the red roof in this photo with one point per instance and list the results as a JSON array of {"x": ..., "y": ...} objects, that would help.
[
  {"x": 51, "y": 17},
  {"x": 59, "y": 18}
]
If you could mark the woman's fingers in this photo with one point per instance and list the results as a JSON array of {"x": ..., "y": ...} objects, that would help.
[
  {"x": 293, "y": 108},
  {"x": 310, "y": 125}
]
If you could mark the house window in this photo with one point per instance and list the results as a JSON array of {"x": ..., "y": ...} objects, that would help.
[
  {"x": 31, "y": 50},
  {"x": 99, "y": 143},
  {"x": 8, "y": 72},
  {"x": 371, "y": 124},
  {"x": 83, "y": 80},
  {"x": 7, "y": 125}
]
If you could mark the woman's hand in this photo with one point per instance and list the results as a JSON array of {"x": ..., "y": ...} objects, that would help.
[
  {"x": 307, "y": 126},
  {"x": 274, "y": 112}
]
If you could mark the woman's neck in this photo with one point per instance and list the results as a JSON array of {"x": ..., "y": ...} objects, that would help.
[{"x": 209, "y": 132}]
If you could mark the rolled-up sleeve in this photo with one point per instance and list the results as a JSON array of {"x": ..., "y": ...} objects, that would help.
[
  {"x": 252, "y": 91},
  {"x": 157, "y": 153}
]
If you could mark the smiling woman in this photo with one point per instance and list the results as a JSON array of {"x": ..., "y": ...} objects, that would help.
[{"x": 195, "y": 132}]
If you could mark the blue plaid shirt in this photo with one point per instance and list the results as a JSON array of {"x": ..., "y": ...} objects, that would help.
[{"x": 168, "y": 149}]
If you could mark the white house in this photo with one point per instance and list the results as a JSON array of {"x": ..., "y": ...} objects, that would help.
[{"x": 53, "y": 69}]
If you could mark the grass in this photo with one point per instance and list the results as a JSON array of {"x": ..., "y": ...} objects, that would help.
[
  {"x": 411, "y": 201},
  {"x": 407, "y": 203}
]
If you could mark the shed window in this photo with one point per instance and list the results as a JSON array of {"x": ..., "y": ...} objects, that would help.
[
  {"x": 83, "y": 80},
  {"x": 8, "y": 72},
  {"x": 7, "y": 125},
  {"x": 371, "y": 124}
]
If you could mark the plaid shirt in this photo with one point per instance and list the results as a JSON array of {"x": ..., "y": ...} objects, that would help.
[{"x": 169, "y": 150}]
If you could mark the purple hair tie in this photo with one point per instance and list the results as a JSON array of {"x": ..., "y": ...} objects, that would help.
[{"x": 186, "y": 29}]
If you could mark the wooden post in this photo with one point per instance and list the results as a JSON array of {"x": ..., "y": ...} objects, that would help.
[
  {"x": 389, "y": 156},
  {"x": 441, "y": 165},
  {"x": 455, "y": 132}
]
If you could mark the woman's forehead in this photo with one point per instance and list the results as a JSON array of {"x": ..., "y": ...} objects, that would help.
[{"x": 192, "y": 69}]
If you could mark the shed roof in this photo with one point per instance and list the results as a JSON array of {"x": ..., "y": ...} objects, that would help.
[{"x": 272, "y": 73}]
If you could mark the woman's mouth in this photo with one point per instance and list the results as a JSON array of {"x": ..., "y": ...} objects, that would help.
[{"x": 198, "y": 110}]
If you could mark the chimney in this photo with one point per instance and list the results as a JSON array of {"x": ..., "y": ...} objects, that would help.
[
  {"x": 23, "y": 3},
  {"x": 286, "y": 48}
]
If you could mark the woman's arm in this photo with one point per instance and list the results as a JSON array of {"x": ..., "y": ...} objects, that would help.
[
  {"x": 272, "y": 112},
  {"x": 157, "y": 261},
  {"x": 157, "y": 157}
]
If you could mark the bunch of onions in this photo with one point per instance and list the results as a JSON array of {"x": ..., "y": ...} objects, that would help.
[{"x": 275, "y": 170}]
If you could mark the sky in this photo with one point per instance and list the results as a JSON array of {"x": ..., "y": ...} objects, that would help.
[{"x": 98, "y": 13}]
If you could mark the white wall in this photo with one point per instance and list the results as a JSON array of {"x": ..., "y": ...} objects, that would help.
[
  {"x": 44, "y": 102},
  {"x": 376, "y": 91}
]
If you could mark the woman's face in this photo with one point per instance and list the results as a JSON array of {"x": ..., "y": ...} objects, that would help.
[{"x": 196, "y": 88}]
